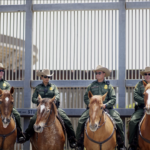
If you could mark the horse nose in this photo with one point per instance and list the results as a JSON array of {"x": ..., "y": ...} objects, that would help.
[
  {"x": 37, "y": 127},
  {"x": 5, "y": 120},
  {"x": 93, "y": 126}
]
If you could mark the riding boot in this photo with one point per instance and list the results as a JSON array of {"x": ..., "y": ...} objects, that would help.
[
  {"x": 27, "y": 135},
  {"x": 80, "y": 145},
  {"x": 72, "y": 142},
  {"x": 20, "y": 135},
  {"x": 132, "y": 147},
  {"x": 134, "y": 144},
  {"x": 71, "y": 138},
  {"x": 119, "y": 141}
]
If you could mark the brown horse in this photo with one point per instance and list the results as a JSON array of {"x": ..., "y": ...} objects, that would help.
[
  {"x": 144, "y": 126},
  {"x": 99, "y": 130},
  {"x": 7, "y": 124},
  {"x": 49, "y": 133}
]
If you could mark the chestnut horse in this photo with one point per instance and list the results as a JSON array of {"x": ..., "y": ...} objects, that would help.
[
  {"x": 49, "y": 134},
  {"x": 99, "y": 131},
  {"x": 144, "y": 126},
  {"x": 8, "y": 131}
]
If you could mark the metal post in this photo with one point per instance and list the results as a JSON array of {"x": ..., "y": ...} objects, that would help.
[
  {"x": 122, "y": 53},
  {"x": 28, "y": 64}
]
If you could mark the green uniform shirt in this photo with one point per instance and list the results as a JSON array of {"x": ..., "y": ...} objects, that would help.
[
  {"x": 100, "y": 88},
  {"x": 138, "y": 93},
  {"x": 48, "y": 91},
  {"x": 4, "y": 85}
]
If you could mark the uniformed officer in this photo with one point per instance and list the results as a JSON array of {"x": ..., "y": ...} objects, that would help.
[
  {"x": 49, "y": 90},
  {"x": 138, "y": 114},
  {"x": 100, "y": 87},
  {"x": 4, "y": 85}
]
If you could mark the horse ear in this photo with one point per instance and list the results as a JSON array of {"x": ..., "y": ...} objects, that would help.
[
  {"x": 1, "y": 92},
  {"x": 90, "y": 94},
  {"x": 104, "y": 96},
  {"x": 144, "y": 83},
  {"x": 12, "y": 90},
  {"x": 39, "y": 98},
  {"x": 52, "y": 100}
]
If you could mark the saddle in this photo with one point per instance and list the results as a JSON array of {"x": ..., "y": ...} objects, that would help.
[{"x": 61, "y": 122}]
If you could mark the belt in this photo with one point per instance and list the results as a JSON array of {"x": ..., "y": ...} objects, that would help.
[
  {"x": 106, "y": 108},
  {"x": 141, "y": 106}
]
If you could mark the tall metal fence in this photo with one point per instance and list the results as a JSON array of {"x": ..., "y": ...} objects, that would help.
[{"x": 71, "y": 37}]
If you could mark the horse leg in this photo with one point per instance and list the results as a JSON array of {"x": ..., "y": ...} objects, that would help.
[
  {"x": 32, "y": 143},
  {"x": 33, "y": 148},
  {"x": 12, "y": 147}
]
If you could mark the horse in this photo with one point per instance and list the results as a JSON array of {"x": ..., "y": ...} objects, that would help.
[
  {"x": 8, "y": 131},
  {"x": 99, "y": 131},
  {"x": 49, "y": 134},
  {"x": 144, "y": 126}
]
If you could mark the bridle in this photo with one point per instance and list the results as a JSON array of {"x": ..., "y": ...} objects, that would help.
[
  {"x": 100, "y": 119},
  {"x": 100, "y": 143},
  {"x": 48, "y": 119},
  {"x": 146, "y": 140},
  {"x": 6, "y": 135},
  {"x": 46, "y": 126}
]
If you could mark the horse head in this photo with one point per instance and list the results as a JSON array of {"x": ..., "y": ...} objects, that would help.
[
  {"x": 95, "y": 110},
  {"x": 45, "y": 111},
  {"x": 6, "y": 106},
  {"x": 147, "y": 97}
]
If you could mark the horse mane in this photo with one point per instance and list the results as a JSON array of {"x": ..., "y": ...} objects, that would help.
[
  {"x": 95, "y": 100},
  {"x": 54, "y": 108}
]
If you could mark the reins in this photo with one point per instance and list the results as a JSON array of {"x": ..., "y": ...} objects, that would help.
[
  {"x": 6, "y": 135},
  {"x": 100, "y": 143}
]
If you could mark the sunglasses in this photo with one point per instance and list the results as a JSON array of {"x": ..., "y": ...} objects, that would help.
[
  {"x": 145, "y": 74},
  {"x": 1, "y": 70},
  {"x": 98, "y": 73},
  {"x": 46, "y": 77}
]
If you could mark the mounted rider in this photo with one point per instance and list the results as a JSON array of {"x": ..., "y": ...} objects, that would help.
[
  {"x": 139, "y": 112},
  {"x": 100, "y": 87},
  {"x": 4, "y": 85}
]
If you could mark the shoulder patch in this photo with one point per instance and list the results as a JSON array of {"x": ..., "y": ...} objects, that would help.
[
  {"x": 51, "y": 88},
  {"x": 33, "y": 90},
  {"x": 89, "y": 85},
  {"x": 136, "y": 85}
]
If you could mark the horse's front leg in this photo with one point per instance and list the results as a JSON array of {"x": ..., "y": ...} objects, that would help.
[{"x": 12, "y": 147}]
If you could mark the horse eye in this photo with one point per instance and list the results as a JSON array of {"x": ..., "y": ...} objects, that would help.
[
  {"x": 48, "y": 110},
  {"x": 12, "y": 102},
  {"x": 0, "y": 102}
]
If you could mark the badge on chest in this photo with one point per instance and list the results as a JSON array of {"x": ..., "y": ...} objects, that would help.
[
  {"x": 105, "y": 87},
  {"x": 4, "y": 84},
  {"x": 50, "y": 88}
]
